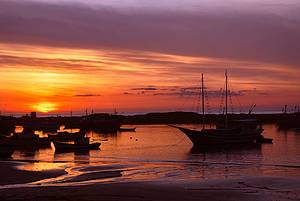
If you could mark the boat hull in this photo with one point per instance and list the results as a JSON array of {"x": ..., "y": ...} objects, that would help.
[
  {"x": 220, "y": 136},
  {"x": 24, "y": 142},
  {"x": 74, "y": 147},
  {"x": 66, "y": 137},
  {"x": 126, "y": 129}
]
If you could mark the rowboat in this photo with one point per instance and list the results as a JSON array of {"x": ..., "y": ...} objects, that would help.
[
  {"x": 127, "y": 129},
  {"x": 80, "y": 144},
  {"x": 66, "y": 136}
]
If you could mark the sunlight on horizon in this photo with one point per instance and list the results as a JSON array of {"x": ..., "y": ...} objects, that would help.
[
  {"x": 45, "y": 107},
  {"x": 74, "y": 79}
]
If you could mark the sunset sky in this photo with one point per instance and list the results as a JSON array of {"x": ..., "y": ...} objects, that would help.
[{"x": 135, "y": 56}]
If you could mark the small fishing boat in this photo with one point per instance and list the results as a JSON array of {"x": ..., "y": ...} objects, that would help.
[
  {"x": 66, "y": 136},
  {"x": 25, "y": 139},
  {"x": 261, "y": 139},
  {"x": 80, "y": 144},
  {"x": 127, "y": 129},
  {"x": 104, "y": 123}
]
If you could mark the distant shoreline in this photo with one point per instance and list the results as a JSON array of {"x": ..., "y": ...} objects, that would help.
[
  {"x": 80, "y": 114},
  {"x": 167, "y": 117}
]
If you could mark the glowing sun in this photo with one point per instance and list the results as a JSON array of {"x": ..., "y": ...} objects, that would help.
[{"x": 45, "y": 107}]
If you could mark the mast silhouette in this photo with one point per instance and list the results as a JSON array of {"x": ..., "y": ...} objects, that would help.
[
  {"x": 202, "y": 94},
  {"x": 226, "y": 99}
]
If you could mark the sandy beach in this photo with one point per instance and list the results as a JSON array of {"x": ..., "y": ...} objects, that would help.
[{"x": 247, "y": 188}]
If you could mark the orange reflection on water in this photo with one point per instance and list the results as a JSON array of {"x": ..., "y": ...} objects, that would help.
[
  {"x": 161, "y": 153},
  {"x": 19, "y": 129},
  {"x": 41, "y": 166}
]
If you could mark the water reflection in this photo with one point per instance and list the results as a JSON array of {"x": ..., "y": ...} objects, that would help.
[
  {"x": 79, "y": 156},
  {"x": 228, "y": 149},
  {"x": 162, "y": 152},
  {"x": 224, "y": 161},
  {"x": 41, "y": 166},
  {"x": 26, "y": 153}
]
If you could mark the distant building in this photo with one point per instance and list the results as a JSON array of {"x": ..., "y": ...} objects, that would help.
[{"x": 33, "y": 115}]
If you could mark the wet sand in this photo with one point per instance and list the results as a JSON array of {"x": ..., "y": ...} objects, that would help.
[
  {"x": 9, "y": 174},
  {"x": 246, "y": 189}
]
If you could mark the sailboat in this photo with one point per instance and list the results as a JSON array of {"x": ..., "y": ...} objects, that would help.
[{"x": 233, "y": 132}]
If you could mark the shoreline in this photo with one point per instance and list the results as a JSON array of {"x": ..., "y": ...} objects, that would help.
[
  {"x": 178, "y": 117},
  {"x": 247, "y": 188},
  {"x": 10, "y": 174}
]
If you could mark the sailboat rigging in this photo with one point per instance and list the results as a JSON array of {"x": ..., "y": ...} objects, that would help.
[
  {"x": 232, "y": 132},
  {"x": 203, "y": 109}
]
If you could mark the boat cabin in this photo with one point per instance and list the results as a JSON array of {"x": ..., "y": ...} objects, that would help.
[{"x": 243, "y": 124}]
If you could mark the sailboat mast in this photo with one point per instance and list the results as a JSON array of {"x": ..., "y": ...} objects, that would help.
[
  {"x": 226, "y": 98},
  {"x": 202, "y": 94}
]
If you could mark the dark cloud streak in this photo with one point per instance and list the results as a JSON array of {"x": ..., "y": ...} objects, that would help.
[
  {"x": 145, "y": 89},
  {"x": 86, "y": 95},
  {"x": 191, "y": 91},
  {"x": 256, "y": 37}
]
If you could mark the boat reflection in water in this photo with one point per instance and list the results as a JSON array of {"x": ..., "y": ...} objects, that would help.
[
  {"x": 76, "y": 156},
  {"x": 162, "y": 153},
  {"x": 226, "y": 148}
]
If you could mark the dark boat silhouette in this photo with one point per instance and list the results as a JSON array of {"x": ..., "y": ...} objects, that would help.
[
  {"x": 227, "y": 132},
  {"x": 7, "y": 125},
  {"x": 126, "y": 129},
  {"x": 261, "y": 139},
  {"x": 79, "y": 144},
  {"x": 25, "y": 139},
  {"x": 244, "y": 131},
  {"x": 104, "y": 123},
  {"x": 226, "y": 148},
  {"x": 66, "y": 136},
  {"x": 289, "y": 122}
]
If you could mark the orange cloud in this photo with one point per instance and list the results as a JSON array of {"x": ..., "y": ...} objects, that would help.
[{"x": 48, "y": 79}]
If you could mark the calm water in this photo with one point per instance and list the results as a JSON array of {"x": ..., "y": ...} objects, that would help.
[{"x": 162, "y": 153}]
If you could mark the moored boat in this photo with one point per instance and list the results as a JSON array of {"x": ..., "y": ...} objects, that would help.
[
  {"x": 66, "y": 136},
  {"x": 82, "y": 144},
  {"x": 25, "y": 139},
  {"x": 261, "y": 139},
  {"x": 104, "y": 123},
  {"x": 222, "y": 136},
  {"x": 127, "y": 129},
  {"x": 228, "y": 132}
]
